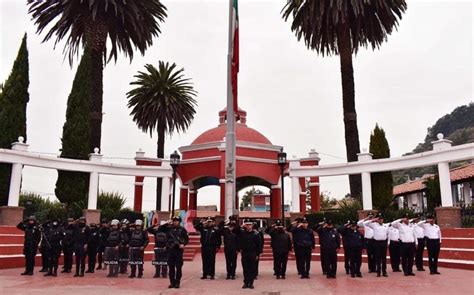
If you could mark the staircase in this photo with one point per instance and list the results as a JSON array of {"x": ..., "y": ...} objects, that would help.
[
  {"x": 457, "y": 249},
  {"x": 11, "y": 249}
]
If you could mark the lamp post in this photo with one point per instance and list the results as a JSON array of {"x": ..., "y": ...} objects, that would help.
[
  {"x": 282, "y": 164},
  {"x": 174, "y": 162}
]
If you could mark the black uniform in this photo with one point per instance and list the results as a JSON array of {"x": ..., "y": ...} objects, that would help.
[
  {"x": 30, "y": 245},
  {"x": 347, "y": 256},
  {"x": 281, "y": 246},
  {"x": 176, "y": 236},
  {"x": 353, "y": 245},
  {"x": 68, "y": 247},
  {"x": 210, "y": 244},
  {"x": 54, "y": 237},
  {"x": 80, "y": 238},
  {"x": 104, "y": 231},
  {"x": 123, "y": 249},
  {"x": 161, "y": 252},
  {"x": 250, "y": 245},
  {"x": 44, "y": 246},
  {"x": 111, "y": 251},
  {"x": 330, "y": 243},
  {"x": 260, "y": 233},
  {"x": 230, "y": 248},
  {"x": 93, "y": 244},
  {"x": 138, "y": 242},
  {"x": 303, "y": 243}
]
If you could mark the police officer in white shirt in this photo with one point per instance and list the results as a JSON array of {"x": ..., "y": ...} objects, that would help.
[
  {"x": 408, "y": 243},
  {"x": 433, "y": 243},
  {"x": 380, "y": 244},
  {"x": 420, "y": 236},
  {"x": 368, "y": 242},
  {"x": 394, "y": 248}
]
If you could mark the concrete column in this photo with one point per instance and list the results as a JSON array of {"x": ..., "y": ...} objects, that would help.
[
  {"x": 315, "y": 194},
  {"x": 183, "y": 198},
  {"x": 138, "y": 198},
  {"x": 366, "y": 181},
  {"x": 295, "y": 188},
  {"x": 166, "y": 189},
  {"x": 222, "y": 197},
  {"x": 17, "y": 169},
  {"x": 275, "y": 202},
  {"x": 443, "y": 172},
  {"x": 93, "y": 181}
]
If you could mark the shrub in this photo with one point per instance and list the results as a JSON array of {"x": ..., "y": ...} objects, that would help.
[
  {"x": 43, "y": 209},
  {"x": 110, "y": 204}
]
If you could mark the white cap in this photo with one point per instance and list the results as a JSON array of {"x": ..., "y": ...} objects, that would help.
[
  {"x": 114, "y": 222},
  {"x": 138, "y": 222}
]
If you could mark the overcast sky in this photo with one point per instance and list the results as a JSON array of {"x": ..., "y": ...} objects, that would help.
[{"x": 292, "y": 95}]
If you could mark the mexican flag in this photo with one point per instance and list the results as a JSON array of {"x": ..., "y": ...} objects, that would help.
[{"x": 235, "y": 52}]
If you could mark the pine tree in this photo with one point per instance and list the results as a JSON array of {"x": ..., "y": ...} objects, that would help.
[
  {"x": 13, "y": 100},
  {"x": 72, "y": 187},
  {"x": 382, "y": 183}
]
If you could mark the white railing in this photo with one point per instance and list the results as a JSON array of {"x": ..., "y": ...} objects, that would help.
[
  {"x": 441, "y": 155},
  {"x": 19, "y": 157}
]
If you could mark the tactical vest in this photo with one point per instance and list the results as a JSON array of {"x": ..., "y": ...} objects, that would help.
[
  {"x": 113, "y": 239},
  {"x": 136, "y": 239}
]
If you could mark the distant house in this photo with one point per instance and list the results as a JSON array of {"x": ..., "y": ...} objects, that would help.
[{"x": 412, "y": 194}]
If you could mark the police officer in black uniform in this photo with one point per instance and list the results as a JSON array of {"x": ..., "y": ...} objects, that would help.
[
  {"x": 229, "y": 231},
  {"x": 303, "y": 243},
  {"x": 30, "y": 245},
  {"x": 93, "y": 245},
  {"x": 68, "y": 245},
  {"x": 54, "y": 236},
  {"x": 353, "y": 245},
  {"x": 177, "y": 239},
  {"x": 210, "y": 245},
  {"x": 80, "y": 238},
  {"x": 138, "y": 242},
  {"x": 330, "y": 244},
  {"x": 123, "y": 247},
  {"x": 44, "y": 246},
  {"x": 103, "y": 231},
  {"x": 250, "y": 247},
  {"x": 281, "y": 246},
  {"x": 161, "y": 252},
  {"x": 111, "y": 251},
  {"x": 347, "y": 263},
  {"x": 260, "y": 233}
]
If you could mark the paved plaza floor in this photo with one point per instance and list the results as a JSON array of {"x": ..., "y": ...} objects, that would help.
[{"x": 451, "y": 282}]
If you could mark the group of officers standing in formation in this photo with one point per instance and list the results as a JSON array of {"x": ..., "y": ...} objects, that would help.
[{"x": 119, "y": 244}]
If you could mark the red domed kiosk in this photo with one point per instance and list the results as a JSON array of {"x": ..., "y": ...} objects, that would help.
[{"x": 203, "y": 164}]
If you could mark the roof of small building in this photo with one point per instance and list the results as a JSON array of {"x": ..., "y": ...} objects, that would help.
[{"x": 458, "y": 174}]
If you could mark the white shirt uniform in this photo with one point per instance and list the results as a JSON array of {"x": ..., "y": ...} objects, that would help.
[
  {"x": 419, "y": 231},
  {"x": 432, "y": 232},
  {"x": 368, "y": 232},
  {"x": 406, "y": 232},
  {"x": 393, "y": 235},
  {"x": 380, "y": 231}
]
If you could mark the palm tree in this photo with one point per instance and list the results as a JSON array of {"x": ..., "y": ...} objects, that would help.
[
  {"x": 163, "y": 101},
  {"x": 340, "y": 27},
  {"x": 129, "y": 25}
]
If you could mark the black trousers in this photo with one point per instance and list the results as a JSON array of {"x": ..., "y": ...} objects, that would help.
[
  {"x": 303, "y": 259},
  {"x": 347, "y": 260},
  {"x": 249, "y": 266},
  {"x": 44, "y": 257},
  {"x": 355, "y": 259},
  {"x": 330, "y": 260},
  {"x": 68, "y": 253},
  {"x": 208, "y": 255},
  {"x": 280, "y": 260},
  {"x": 136, "y": 261},
  {"x": 80, "y": 254},
  {"x": 323, "y": 261},
  {"x": 111, "y": 255},
  {"x": 419, "y": 253},
  {"x": 369, "y": 246},
  {"x": 394, "y": 250},
  {"x": 433, "y": 246},
  {"x": 30, "y": 254},
  {"x": 380, "y": 248},
  {"x": 100, "y": 257},
  {"x": 230, "y": 261},
  {"x": 91, "y": 257},
  {"x": 123, "y": 259},
  {"x": 161, "y": 259},
  {"x": 175, "y": 264},
  {"x": 407, "y": 252},
  {"x": 53, "y": 255}
]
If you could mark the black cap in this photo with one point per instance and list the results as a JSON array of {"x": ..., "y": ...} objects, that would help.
[
  {"x": 429, "y": 216},
  {"x": 329, "y": 222},
  {"x": 304, "y": 220},
  {"x": 379, "y": 215},
  {"x": 104, "y": 220},
  {"x": 277, "y": 222},
  {"x": 353, "y": 222},
  {"x": 370, "y": 214},
  {"x": 247, "y": 220},
  {"x": 177, "y": 218},
  {"x": 298, "y": 219},
  {"x": 405, "y": 215}
]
